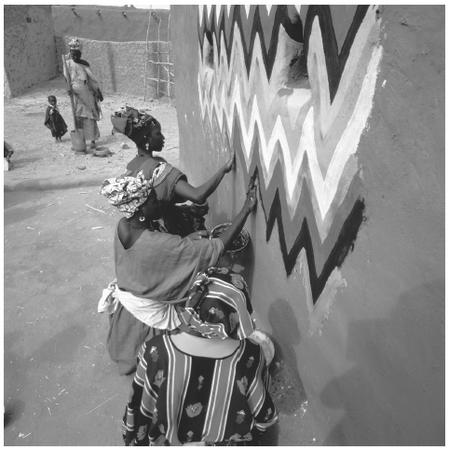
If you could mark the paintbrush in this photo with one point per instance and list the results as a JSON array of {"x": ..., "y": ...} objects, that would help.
[{"x": 252, "y": 181}]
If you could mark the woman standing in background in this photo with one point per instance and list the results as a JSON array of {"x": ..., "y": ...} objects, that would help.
[{"x": 86, "y": 93}]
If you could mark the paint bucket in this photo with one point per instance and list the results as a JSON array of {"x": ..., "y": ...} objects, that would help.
[
  {"x": 238, "y": 244},
  {"x": 78, "y": 141}
]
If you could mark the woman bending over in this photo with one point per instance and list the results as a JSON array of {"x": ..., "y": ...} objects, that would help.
[
  {"x": 154, "y": 269},
  {"x": 208, "y": 384}
]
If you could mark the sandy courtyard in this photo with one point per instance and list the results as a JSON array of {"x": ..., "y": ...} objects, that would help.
[{"x": 38, "y": 157}]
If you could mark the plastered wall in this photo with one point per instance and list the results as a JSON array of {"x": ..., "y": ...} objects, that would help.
[
  {"x": 340, "y": 112},
  {"x": 29, "y": 47}
]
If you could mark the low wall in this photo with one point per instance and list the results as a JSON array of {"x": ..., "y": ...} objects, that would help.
[
  {"x": 120, "y": 66},
  {"x": 108, "y": 23},
  {"x": 29, "y": 47}
]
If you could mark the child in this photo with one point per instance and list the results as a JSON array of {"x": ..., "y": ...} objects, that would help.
[
  {"x": 8, "y": 152},
  {"x": 54, "y": 120}
]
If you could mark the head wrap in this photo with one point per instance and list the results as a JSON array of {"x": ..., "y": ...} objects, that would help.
[
  {"x": 126, "y": 193},
  {"x": 218, "y": 306},
  {"x": 74, "y": 44},
  {"x": 131, "y": 121}
]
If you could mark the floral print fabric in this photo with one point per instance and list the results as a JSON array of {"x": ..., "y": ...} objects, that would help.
[{"x": 126, "y": 193}]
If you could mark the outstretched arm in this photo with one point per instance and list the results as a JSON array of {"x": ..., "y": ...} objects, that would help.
[
  {"x": 186, "y": 191},
  {"x": 237, "y": 223},
  {"x": 239, "y": 220}
]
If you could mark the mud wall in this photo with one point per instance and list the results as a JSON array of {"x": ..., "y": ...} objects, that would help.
[
  {"x": 29, "y": 47},
  {"x": 108, "y": 23},
  {"x": 120, "y": 66},
  {"x": 340, "y": 112}
]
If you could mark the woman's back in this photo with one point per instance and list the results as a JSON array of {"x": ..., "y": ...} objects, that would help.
[
  {"x": 161, "y": 266},
  {"x": 183, "y": 398}
]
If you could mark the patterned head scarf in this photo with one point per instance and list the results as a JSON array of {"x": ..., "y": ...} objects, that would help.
[
  {"x": 131, "y": 122},
  {"x": 218, "y": 306},
  {"x": 127, "y": 194},
  {"x": 74, "y": 44}
]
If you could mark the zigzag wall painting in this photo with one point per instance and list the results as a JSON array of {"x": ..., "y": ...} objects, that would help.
[{"x": 291, "y": 89}]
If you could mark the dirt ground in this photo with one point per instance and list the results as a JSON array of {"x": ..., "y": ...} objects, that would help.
[
  {"x": 60, "y": 387},
  {"x": 38, "y": 157}
]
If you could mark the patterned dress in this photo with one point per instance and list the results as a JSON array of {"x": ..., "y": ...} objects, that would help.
[
  {"x": 86, "y": 91},
  {"x": 179, "y": 398}
]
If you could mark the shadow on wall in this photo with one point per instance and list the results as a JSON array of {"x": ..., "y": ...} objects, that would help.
[
  {"x": 287, "y": 388},
  {"x": 401, "y": 358}
]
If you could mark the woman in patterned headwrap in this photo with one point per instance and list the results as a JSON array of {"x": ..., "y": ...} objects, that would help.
[
  {"x": 153, "y": 268},
  {"x": 86, "y": 92},
  {"x": 146, "y": 132},
  {"x": 207, "y": 383}
]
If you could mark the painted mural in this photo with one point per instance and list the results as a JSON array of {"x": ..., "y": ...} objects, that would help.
[{"x": 291, "y": 89}]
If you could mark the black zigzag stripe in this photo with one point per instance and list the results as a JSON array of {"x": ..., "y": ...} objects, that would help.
[
  {"x": 335, "y": 62},
  {"x": 344, "y": 243},
  {"x": 256, "y": 28},
  {"x": 347, "y": 234}
]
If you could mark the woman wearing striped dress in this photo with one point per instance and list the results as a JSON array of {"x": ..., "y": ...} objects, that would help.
[{"x": 208, "y": 383}]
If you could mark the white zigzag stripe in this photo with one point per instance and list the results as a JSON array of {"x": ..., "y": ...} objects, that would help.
[
  {"x": 241, "y": 95},
  {"x": 226, "y": 88}
]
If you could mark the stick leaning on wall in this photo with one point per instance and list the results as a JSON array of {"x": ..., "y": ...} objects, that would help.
[{"x": 76, "y": 135}]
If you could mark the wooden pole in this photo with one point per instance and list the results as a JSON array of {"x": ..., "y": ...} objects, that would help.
[
  {"x": 168, "y": 56},
  {"x": 146, "y": 58},
  {"x": 76, "y": 135},
  {"x": 158, "y": 56},
  {"x": 69, "y": 85}
]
